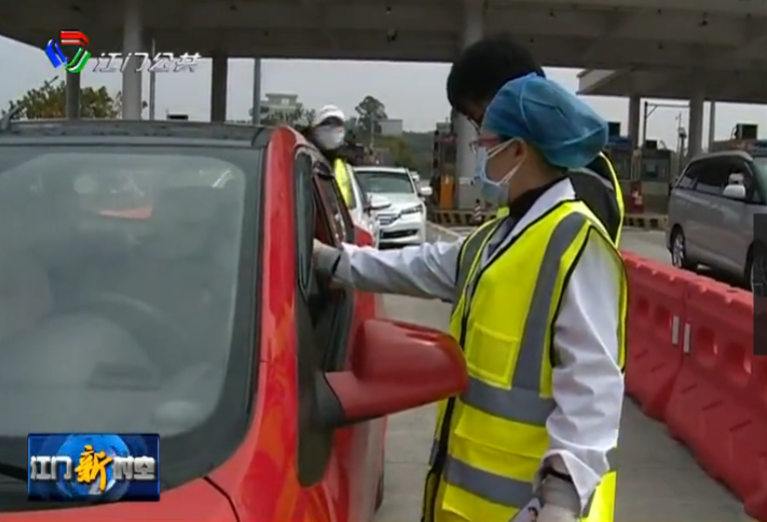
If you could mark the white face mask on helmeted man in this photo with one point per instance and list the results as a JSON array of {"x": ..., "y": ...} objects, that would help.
[{"x": 330, "y": 132}]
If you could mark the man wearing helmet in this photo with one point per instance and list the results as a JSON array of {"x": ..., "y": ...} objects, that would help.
[{"x": 328, "y": 135}]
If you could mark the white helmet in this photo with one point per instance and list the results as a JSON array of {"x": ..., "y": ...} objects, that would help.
[{"x": 330, "y": 112}]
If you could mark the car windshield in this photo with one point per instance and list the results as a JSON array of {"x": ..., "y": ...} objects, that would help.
[
  {"x": 761, "y": 170},
  {"x": 385, "y": 182},
  {"x": 118, "y": 278}
]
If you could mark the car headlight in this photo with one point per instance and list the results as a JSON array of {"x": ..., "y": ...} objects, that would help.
[{"x": 418, "y": 209}]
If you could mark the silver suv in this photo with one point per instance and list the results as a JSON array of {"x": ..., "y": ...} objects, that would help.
[{"x": 711, "y": 216}]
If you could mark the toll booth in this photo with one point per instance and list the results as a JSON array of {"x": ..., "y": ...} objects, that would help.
[
  {"x": 620, "y": 153},
  {"x": 652, "y": 176},
  {"x": 444, "y": 157},
  {"x": 744, "y": 137},
  {"x": 644, "y": 174}
]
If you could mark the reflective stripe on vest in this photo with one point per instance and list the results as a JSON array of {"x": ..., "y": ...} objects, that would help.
[
  {"x": 522, "y": 402},
  {"x": 470, "y": 251},
  {"x": 501, "y": 490}
]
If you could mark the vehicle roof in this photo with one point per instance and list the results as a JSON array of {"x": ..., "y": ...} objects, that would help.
[
  {"x": 379, "y": 168},
  {"x": 132, "y": 132},
  {"x": 723, "y": 154}
]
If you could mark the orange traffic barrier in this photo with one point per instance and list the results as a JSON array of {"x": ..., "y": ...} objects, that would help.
[
  {"x": 712, "y": 408},
  {"x": 656, "y": 339},
  {"x": 691, "y": 363}
]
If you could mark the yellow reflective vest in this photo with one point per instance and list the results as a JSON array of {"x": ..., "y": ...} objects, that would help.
[
  {"x": 490, "y": 440},
  {"x": 343, "y": 178},
  {"x": 504, "y": 211}
]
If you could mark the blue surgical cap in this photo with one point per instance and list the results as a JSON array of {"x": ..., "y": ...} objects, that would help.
[{"x": 561, "y": 127}]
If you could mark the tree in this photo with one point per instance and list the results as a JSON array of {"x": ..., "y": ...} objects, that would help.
[
  {"x": 49, "y": 101},
  {"x": 297, "y": 118},
  {"x": 371, "y": 111}
]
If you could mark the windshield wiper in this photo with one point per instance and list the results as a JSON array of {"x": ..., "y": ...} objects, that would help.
[{"x": 13, "y": 471}]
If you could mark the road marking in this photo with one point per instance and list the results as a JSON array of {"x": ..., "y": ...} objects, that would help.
[{"x": 448, "y": 231}]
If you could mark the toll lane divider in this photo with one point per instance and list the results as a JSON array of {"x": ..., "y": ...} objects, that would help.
[{"x": 691, "y": 364}]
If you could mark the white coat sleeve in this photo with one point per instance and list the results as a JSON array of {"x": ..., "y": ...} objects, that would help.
[
  {"x": 587, "y": 381},
  {"x": 427, "y": 270}
]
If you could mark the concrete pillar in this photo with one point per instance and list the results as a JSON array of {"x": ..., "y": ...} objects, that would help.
[
  {"x": 152, "y": 84},
  {"x": 256, "y": 91},
  {"x": 218, "y": 88},
  {"x": 695, "y": 128},
  {"x": 635, "y": 109},
  {"x": 132, "y": 43},
  {"x": 711, "y": 124},
  {"x": 466, "y": 194},
  {"x": 72, "y": 107}
]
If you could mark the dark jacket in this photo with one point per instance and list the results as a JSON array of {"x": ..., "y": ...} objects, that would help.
[{"x": 594, "y": 185}]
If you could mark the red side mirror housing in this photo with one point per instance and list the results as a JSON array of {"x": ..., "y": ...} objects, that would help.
[{"x": 396, "y": 366}]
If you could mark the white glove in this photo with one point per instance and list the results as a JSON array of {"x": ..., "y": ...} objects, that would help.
[
  {"x": 560, "y": 500},
  {"x": 552, "y": 513}
]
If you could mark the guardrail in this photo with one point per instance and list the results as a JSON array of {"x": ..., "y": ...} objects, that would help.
[{"x": 691, "y": 364}]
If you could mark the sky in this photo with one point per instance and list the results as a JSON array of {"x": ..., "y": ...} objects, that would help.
[{"x": 414, "y": 93}]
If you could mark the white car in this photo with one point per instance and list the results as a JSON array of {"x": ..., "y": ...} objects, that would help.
[
  {"x": 364, "y": 208},
  {"x": 404, "y": 221}
]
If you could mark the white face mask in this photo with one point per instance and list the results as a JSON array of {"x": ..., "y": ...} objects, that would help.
[
  {"x": 494, "y": 192},
  {"x": 329, "y": 138}
]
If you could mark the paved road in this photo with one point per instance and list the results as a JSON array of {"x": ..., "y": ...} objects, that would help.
[{"x": 659, "y": 480}]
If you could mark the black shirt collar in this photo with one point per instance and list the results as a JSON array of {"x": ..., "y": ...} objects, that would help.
[{"x": 525, "y": 201}]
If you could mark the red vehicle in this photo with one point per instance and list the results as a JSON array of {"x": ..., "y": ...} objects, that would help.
[{"x": 205, "y": 322}]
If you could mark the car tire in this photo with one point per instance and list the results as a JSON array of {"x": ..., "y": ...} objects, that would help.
[
  {"x": 757, "y": 257},
  {"x": 679, "y": 251}
]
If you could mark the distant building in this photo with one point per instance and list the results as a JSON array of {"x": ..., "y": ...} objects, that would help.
[
  {"x": 279, "y": 105},
  {"x": 390, "y": 127}
]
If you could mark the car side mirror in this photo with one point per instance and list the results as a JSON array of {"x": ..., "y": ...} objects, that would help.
[
  {"x": 376, "y": 202},
  {"x": 734, "y": 191},
  {"x": 395, "y": 366},
  {"x": 425, "y": 192}
]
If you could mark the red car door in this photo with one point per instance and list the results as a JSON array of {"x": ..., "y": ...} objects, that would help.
[{"x": 355, "y": 459}]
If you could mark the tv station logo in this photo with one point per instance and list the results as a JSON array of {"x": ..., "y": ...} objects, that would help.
[
  {"x": 146, "y": 62},
  {"x": 70, "y": 50},
  {"x": 102, "y": 467}
]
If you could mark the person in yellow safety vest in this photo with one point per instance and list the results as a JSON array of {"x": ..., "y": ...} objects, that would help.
[
  {"x": 328, "y": 134},
  {"x": 481, "y": 70},
  {"x": 539, "y": 308}
]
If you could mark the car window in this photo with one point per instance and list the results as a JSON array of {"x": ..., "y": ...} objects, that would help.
[
  {"x": 341, "y": 223},
  {"x": 712, "y": 177},
  {"x": 305, "y": 219},
  {"x": 689, "y": 177},
  {"x": 118, "y": 285},
  {"x": 386, "y": 182},
  {"x": 364, "y": 196},
  {"x": 760, "y": 175}
]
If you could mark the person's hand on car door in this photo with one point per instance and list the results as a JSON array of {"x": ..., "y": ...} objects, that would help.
[{"x": 326, "y": 257}]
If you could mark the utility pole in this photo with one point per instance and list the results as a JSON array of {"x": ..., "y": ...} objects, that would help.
[{"x": 650, "y": 108}]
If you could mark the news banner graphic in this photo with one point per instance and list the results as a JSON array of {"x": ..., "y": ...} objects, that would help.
[
  {"x": 98, "y": 467},
  {"x": 76, "y": 43}
]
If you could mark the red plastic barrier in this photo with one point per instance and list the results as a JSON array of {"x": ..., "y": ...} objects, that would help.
[
  {"x": 655, "y": 342},
  {"x": 756, "y": 502},
  {"x": 717, "y": 405}
]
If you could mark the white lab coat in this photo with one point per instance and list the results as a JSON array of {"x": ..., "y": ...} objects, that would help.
[{"x": 587, "y": 382}]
